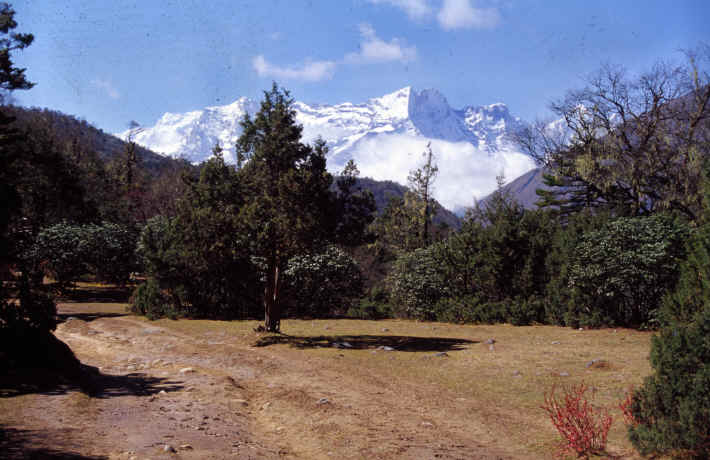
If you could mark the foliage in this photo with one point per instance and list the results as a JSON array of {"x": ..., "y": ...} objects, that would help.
[
  {"x": 374, "y": 305},
  {"x": 11, "y": 77},
  {"x": 583, "y": 427},
  {"x": 354, "y": 208},
  {"x": 398, "y": 225},
  {"x": 31, "y": 313},
  {"x": 199, "y": 258},
  {"x": 559, "y": 308},
  {"x": 321, "y": 284},
  {"x": 421, "y": 183},
  {"x": 67, "y": 251},
  {"x": 634, "y": 145},
  {"x": 289, "y": 208},
  {"x": 672, "y": 409},
  {"x": 148, "y": 300},
  {"x": 692, "y": 292},
  {"x": 28, "y": 310},
  {"x": 416, "y": 284},
  {"x": 620, "y": 272}
]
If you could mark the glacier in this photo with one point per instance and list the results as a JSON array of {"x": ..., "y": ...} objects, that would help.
[{"x": 386, "y": 137}]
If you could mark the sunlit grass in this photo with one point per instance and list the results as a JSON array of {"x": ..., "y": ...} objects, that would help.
[{"x": 507, "y": 382}]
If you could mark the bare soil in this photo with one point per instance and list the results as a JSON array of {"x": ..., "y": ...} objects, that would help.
[{"x": 211, "y": 390}]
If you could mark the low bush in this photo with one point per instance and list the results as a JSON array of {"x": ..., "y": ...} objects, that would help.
[
  {"x": 375, "y": 305},
  {"x": 150, "y": 301},
  {"x": 584, "y": 428}
]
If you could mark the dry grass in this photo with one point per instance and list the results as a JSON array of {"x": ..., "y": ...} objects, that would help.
[{"x": 506, "y": 383}]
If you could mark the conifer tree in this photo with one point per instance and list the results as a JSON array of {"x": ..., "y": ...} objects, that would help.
[
  {"x": 421, "y": 183},
  {"x": 288, "y": 207},
  {"x": 671, "y": 410}
]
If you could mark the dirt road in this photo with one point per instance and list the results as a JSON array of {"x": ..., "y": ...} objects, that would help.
[{"x": 162, "y": 393}]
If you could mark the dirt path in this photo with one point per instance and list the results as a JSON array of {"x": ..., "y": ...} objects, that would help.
[{"x": 212, "y": 396}]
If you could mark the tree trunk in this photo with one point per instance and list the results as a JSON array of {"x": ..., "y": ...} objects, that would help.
[{"x": 272, "y": 307}]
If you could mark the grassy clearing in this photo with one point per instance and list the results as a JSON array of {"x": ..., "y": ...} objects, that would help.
[
  {"x": 504, "y": 385},
  {"x": 507, "y": 383}
]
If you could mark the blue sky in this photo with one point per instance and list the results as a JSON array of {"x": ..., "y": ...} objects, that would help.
[{"x": 110, "y": 62}]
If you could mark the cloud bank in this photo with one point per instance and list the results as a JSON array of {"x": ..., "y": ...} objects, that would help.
[
  {"x": 310, "y": 71},
  {"x": 465, "y": 172},
  {"x": 373, "y": 49},
  {"x": 415, "y": 9},
  {"x": 452, "y": 14},
  {"x": 461, "y": 14}
]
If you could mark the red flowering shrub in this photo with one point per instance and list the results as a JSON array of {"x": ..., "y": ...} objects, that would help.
[
  {"x": 625, "y": 406},
  {"x": 584, "y": 428}
]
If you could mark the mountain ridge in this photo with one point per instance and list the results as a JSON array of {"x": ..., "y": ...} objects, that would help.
[{"x": 382, "y": 135}]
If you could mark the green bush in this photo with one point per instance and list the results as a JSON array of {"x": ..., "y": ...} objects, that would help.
[
  {"x": 526, "y": 311},
  {"x": 619, "y": 273},
  {"x": 417, "y": 284},
  {"x": 66, "y": 251},
  {"x": 671, "y": 411},
  {"x": 323, "y": 284},
  {"x": 200, "y": 266},
  {"x": 148, "y": 300},
  {"x": 375, "y": 305}
]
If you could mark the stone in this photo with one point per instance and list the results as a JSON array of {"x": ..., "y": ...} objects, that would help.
[
  {"x": 169, "y": 448},
  {"x": 241, "y": 402},
  {"x": 187, "y": 370},
  {"x": 384, "y": 329},
  {"x": 385, "y": 348},
  {"x": 442, "y": 354},
  {"x": 491, "y": 347},
  {"x": 185, "y": 447},
  {"x": 266, "y": 406},
  {"x": 490, "y": 341},
  {"x": 428, "y": 424},
  {"x": 564, "y": 374},
  {"x": 517, "y": 373},
  {"x": 322, "y": 401},
  {"x": 162, "y": 392},
  {"x": 555, "y": 342}
]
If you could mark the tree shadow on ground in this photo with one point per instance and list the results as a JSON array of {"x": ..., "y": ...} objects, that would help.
[
  {"x": 28, "y": 445},
  {"x": 96, "y": 294},
  {"x": 62, "y": 317},
  {"x": 361, "y": 342},
  {"x": 18, "y": 382}
]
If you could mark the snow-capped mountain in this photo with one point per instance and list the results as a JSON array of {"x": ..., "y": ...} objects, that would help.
[{"x": 385, "y": 136}]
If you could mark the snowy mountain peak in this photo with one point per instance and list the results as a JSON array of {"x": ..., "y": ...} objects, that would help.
[{"x": 385, "y": 135}]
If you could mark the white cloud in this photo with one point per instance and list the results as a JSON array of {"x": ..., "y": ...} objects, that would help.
[
  {"x": 465, "y": 172},
  {"x": 461, "y": 14},
  {"x": 107, "y": 86},
  {"x": 310, "y": 71},
  {"x": 415, "y": 9},
  {"x": 374, "y": 49}
]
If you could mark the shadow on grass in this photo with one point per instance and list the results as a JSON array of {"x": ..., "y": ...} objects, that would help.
[
  {"x": 361, "y": 342},
  {"x": 88, "y": 380},
  {"x": 26, "y": 445},
  {"x": 62, "y": 317},
  {"x": 110, "y": 293}
]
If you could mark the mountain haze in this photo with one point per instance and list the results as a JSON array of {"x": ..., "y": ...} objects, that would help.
[{"x": 385, "y": 136}]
